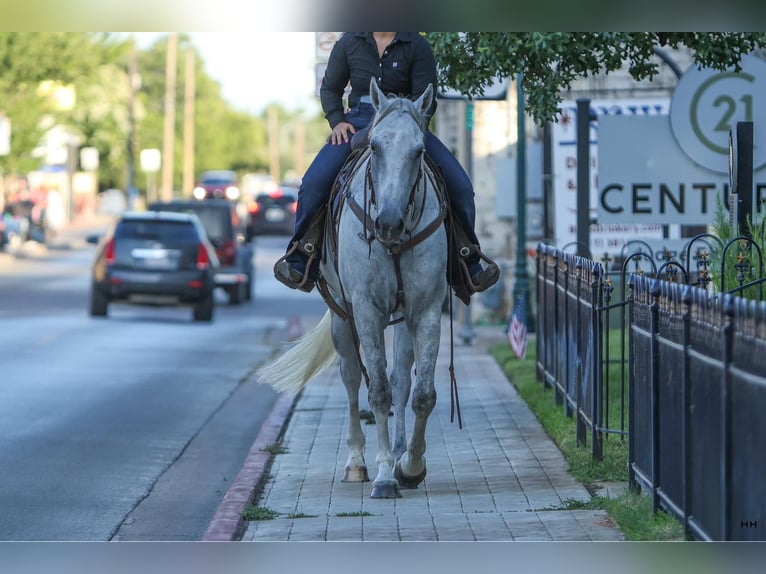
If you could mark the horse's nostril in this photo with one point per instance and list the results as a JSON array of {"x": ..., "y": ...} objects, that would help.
[{"x": 388, "y": 226}]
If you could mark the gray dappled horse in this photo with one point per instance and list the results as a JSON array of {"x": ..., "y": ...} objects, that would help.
[{"x": 391, "y": 264}]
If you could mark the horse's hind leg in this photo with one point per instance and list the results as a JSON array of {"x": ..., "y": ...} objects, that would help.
[
  {"x": 351, "y": 374},
  {"x": 401, "y": 381},
  {"x": 411, "y": 467}
]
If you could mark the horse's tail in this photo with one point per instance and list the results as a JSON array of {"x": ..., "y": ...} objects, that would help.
[{"x": 308, "y": 357}]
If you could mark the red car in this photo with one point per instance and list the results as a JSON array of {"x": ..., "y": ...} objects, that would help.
[{"x": 217, "y": 184}]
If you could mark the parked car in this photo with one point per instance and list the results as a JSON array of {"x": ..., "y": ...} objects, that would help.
[
  {"x": 154, "y": 257},
  {"x": 273, "y": 213},
  {"x": 217, "y": 184},
  {"x": 228, "y": 233}
]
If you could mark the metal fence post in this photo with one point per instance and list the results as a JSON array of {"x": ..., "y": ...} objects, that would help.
[
  {"x": 597, "y": 402},
  {"x": 655, "y": 369}
]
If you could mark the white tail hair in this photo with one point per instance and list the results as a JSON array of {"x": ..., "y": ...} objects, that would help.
[{"x": 309, "y": 356}]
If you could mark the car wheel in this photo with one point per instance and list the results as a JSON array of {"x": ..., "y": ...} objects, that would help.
[
  {"x": 99, "y": 304},
  {"x": 236, "y": 293},
  {"x": 203, "y": 311}
]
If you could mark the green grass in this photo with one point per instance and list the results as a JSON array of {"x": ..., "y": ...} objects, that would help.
[
  {"x": 253, "y": 513},
  {"x": 347, "y": 514},
  {"x": 302, "y": 515},
  {"x": 632, "y": 512},
  {"x": 275, "y": 448}
]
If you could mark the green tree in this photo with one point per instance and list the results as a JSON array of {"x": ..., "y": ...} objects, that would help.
[
  {"x": 550, "y": 62},
  {"x": 27, "y": 59},
  {"x": 225, "y": 138}
]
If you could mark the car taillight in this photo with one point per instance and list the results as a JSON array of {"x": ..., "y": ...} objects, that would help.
[
  {"x": 109, "y": 257},
  {"x": 294, "y": 207},
  {"x": 203, "y": 259},
  {"x": 253, "y": 207},
  {"x": 228, "y": 253}
]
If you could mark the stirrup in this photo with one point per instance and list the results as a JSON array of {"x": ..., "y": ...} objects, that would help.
[
  {"x": 485, "y": 278},
  {"x": 286, "y": 275}
]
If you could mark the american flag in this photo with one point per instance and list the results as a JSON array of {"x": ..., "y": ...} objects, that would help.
[{"x": 517, "y": 328}]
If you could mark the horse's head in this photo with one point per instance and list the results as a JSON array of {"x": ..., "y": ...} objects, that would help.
[{"x": 397, "y": 143}]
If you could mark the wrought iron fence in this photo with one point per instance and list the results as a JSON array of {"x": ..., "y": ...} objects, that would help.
[{"x": 687, "y": 366}]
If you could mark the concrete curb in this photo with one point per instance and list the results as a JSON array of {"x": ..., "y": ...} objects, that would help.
[{"x": 227, "y": 523}]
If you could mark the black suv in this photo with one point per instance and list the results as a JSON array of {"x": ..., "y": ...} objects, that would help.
[
  {"x": 228, "y": 233},
  {"x": 154, "y": 258}
]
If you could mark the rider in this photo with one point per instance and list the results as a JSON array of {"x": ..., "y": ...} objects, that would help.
[{"x": 403, "y": 64}]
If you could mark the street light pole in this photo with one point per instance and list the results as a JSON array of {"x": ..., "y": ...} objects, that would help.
[
  {"x": 467, "y": 333},
  {"x": 521, "y": 284}
]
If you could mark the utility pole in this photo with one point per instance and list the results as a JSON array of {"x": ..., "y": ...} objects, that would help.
[
  {"x": 188, "y": 173},
  {"x": 133, "y": 81},
  {"x": 273, "y": 126},
  {"x": 170, "y": 118},
  {"x": 300, "y": 147}
]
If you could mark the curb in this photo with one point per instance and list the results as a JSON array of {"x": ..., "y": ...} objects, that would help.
[{"x": 227, "y": 522}]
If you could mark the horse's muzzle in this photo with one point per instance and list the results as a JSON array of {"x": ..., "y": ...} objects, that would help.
[{"x": 389, "y": 230}]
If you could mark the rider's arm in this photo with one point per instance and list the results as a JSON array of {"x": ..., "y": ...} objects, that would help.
[{"x": 334, "y": 83}]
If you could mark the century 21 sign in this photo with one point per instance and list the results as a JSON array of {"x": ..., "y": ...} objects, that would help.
[{"x": 673, "y": 169}]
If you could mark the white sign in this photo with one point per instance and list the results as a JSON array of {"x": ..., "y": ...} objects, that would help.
[
  {"x": 706, "y": 103},
  {"x": 645, "y": 177},
  {"x": 603, "y": 238},
  {"x": 89, "y": 158},
  {"x": 150, "y": 160}
]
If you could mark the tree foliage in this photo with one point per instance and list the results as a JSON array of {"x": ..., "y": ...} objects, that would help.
[
  {"x": 26, "y": 60},
  {"x": 551, "y": 61}
]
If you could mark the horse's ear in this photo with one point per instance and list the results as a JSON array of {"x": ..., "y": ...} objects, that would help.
[
  {"x": 376, "y": 94},
  {"x": 423, "y": 103}
]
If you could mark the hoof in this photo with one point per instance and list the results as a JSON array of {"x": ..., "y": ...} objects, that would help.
[
  {"x": 408, "y": 481},
  {"x": 356, "y": 474},
  {"x": 385, "y": 489}
]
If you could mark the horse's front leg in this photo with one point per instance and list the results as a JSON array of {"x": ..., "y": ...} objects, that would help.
[
  {"x": 401, "y": 382},
  {"x": 411, "y": 466},
  {"x": 351, "y": 374},
  {"x": 379, "y": 397}
]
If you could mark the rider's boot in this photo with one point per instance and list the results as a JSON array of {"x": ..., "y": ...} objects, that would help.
[
  {"x": 291, "y": 270},
  {"x": 482, "y": 277}
]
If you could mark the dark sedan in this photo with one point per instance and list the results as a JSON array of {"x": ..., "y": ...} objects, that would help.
[
  {"x": 273, "y": 213},
  {"x": 226, "y": 231},
  {"x": 157, "y": 258}
]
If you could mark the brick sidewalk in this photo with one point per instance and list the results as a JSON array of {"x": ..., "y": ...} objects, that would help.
[{"x": 499, "y": 478}]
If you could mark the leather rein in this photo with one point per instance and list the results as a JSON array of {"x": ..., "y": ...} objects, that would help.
[{"x": 396, "y": 250}]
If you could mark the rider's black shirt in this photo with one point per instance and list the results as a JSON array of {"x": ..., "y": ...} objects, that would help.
[{"x": 406, "y": 68}]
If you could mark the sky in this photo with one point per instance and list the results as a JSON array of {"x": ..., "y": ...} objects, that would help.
[{"x": 256, "y": 68}]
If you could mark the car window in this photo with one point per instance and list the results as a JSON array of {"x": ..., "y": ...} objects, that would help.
[
  {"x": 218, "y": 178},
  {"x": 281, "y": 199},
  {"x": 157, "y": 230},
  {"x": 216, "y": 221}
]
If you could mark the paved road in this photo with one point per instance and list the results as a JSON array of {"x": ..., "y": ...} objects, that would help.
[{"x": 128, "y": 428}]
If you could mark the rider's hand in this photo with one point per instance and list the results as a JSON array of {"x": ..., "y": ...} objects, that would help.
[{"x": 342, "y": 133}]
